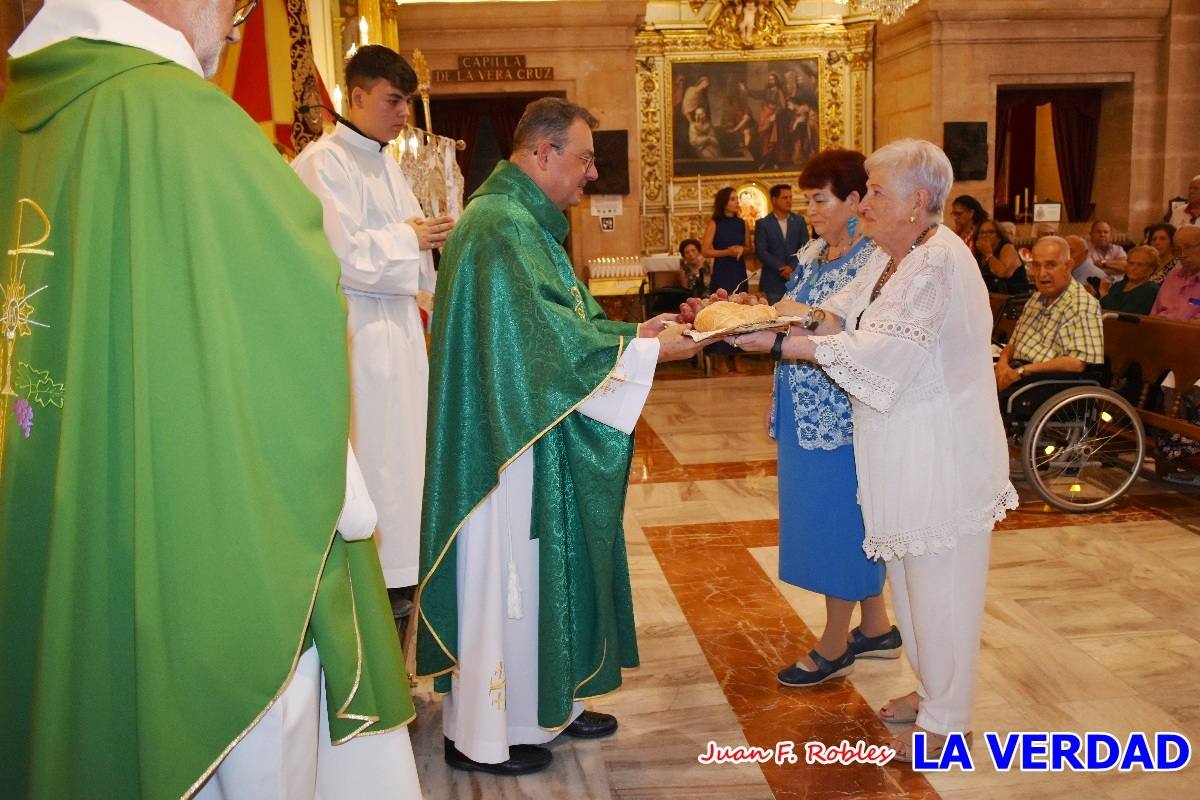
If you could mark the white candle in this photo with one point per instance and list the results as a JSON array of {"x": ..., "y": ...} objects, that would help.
[
  {"x": 337, "y": 98},
  {"x": 698, "y": 190},
  {"x": 362, "y": 31},
  {"x": 670, "y": 215}
]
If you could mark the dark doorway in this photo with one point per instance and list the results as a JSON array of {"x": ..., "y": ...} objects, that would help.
[
  {"x": 1075, "y": 113},
  {"x": 486, "y": 124}
]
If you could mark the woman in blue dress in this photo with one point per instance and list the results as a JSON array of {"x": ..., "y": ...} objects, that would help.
[
  {"x": 725, "y": 242},
  {"x": 820, "y": 524}
]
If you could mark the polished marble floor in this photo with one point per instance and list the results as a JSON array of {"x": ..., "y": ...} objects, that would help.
[{"x": 1092, "y": 624}]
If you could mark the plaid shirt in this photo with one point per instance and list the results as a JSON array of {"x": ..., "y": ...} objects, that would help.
[{"x": 1069, "y": 326}]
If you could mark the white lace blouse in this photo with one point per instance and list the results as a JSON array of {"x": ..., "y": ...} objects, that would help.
[{"x": 928, "y": 441}]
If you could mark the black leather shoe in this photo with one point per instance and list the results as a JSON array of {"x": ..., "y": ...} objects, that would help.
[
  {"x": 523, "y": 759},
  {"x": 592, "y": 725},
  {"x": 885, "y": 646},
  {"x": 826, "y": 670}
]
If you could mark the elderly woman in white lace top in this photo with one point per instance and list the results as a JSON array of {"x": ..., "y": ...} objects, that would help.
[{"x": 908, "y": 339}]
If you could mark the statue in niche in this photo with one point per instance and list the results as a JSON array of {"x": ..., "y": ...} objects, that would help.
[
  {"x": 349, "y": 12},
  {"x": 749, "y": 11}
]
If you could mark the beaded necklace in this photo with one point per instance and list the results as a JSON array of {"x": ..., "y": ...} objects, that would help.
[{"x": 890, "y": 270}]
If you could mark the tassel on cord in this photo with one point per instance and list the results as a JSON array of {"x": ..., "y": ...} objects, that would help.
[{"x": 516, "y": 603}]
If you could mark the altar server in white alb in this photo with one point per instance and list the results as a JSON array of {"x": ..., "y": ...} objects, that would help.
[{"x": 384, "y": 243}]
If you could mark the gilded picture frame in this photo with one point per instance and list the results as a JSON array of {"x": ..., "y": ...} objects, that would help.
[
  {"x": 731, "y": 118},
  {"x": 677, "y": 191}
]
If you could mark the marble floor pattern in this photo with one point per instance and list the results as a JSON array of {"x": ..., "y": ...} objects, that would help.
[{"x": 1092, "y": 623}]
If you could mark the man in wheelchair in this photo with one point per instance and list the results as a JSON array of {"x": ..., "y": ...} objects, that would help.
[{"x": 1058, "y": 340}]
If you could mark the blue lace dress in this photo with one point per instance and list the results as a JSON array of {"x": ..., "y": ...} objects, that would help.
[{"x": 820, "y": 524}]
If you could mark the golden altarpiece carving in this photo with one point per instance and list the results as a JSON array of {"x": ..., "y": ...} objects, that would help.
[{"x": 742, "y": 99}]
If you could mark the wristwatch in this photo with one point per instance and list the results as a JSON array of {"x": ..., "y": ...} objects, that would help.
[
  {"x": 777, "y": 348},
  {"x": 813, "y": 319}
]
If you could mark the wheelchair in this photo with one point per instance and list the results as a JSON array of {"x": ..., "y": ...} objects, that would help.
[{"x": 1080, "y": 444}]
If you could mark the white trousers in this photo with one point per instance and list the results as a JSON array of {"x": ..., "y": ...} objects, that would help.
[
  {"x": 938, "y": 601},
  {"x": 288, "y": 755}
]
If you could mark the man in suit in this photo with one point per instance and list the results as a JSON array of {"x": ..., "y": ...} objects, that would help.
[{"x": 777, "y": 237}]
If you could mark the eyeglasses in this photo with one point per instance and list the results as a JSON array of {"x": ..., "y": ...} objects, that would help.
[
  {"x": 243, "y": 11},
  {"x": 588, "y": 160}
]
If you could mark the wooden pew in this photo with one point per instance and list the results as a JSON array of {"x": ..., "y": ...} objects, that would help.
[
  {"x": 1157, "y": 346},
  {"x": 1006, "y": 310}
]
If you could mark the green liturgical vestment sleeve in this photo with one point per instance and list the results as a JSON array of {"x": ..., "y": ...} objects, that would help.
[
  {"x": 518, "y": 345},
  {"x": 173, "y": 420}
]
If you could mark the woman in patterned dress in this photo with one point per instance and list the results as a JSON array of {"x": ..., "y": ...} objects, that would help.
[{"x": 820, "y": 524}]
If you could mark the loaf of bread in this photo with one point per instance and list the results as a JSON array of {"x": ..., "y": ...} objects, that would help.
[{"x": 723, "y": 314}]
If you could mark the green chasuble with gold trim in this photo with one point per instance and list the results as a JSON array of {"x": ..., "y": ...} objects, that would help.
[
  {"x": 517, "y": 346},
  {"x": 174, "y": 406}
]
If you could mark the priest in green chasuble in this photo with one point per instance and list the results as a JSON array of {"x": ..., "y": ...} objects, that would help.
[
  {"x": 525, "y": 604},
  {"x": 190, "y": 601}
]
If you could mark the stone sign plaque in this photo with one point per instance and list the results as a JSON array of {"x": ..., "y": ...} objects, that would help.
[{"x": 503, "y": 67}]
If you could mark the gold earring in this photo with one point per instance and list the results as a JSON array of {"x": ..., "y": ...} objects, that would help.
[{"x": 912, "y": 219}]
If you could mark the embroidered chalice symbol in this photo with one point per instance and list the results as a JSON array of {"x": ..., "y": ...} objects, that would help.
[{"x": 17, "y": 317}]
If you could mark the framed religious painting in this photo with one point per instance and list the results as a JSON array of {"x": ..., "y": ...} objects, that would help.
[
  {"x": 744, "y": 116},
  {"x": 746, "y": 94}
]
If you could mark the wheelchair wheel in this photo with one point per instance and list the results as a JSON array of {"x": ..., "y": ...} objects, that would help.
[{"x": 1082, "y": 448}]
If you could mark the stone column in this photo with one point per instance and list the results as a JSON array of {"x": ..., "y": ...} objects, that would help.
[{"x": 1181, "y": 148}]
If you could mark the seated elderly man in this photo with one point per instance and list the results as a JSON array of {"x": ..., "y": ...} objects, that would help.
[
  {"x": 1059, "y": 330},
  {"x": 1106, "y": 254},
  {"x": 1179, "y": 296},
  {"x": 1187, "y": 213},
  {"x": 1044, "y": 229},
  {"x": 1082, "y": 267}
]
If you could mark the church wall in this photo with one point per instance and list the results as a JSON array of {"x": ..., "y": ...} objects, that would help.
[
  {"x": 969, "y": 50},
  {"x": 1181, "y": 154},
  {"x": 590, "y": 45},
  {"x": 904, "y": 89},
  {"x": 1113, "y": 149}
]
